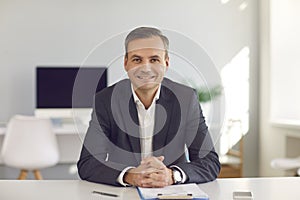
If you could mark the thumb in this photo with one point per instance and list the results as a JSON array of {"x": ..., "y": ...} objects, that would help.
[{"x": 161, "y": 158}]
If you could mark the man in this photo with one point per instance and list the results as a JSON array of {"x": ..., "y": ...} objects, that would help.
[{"x": 147, "y": 131}]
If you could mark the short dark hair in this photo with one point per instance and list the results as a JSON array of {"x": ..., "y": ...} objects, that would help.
[{"x": 146, "y": 32}]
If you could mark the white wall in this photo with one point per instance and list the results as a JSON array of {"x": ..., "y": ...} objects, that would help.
[
  {"x": 62, "y": 32},
  {"x": 285, "y": 60},
  {"x": 279, "y": 56}
]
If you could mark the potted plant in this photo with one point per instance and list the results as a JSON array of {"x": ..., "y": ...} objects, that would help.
[{"x": 206, "y": 95}]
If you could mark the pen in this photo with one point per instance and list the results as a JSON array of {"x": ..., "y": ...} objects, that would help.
[{"x": 105, "y": 194}]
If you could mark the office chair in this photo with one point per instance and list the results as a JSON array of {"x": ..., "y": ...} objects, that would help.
[
  {"x": 30, "y": 145},
  {"x": 287, "y": 164}
]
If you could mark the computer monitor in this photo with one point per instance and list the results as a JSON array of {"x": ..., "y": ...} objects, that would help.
[{"x": 65, "y": 92}]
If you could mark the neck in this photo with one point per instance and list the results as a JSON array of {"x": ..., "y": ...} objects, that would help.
[{"x": 146, "y": 96}]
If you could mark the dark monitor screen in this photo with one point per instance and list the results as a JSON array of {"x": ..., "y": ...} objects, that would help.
[{"x": 68, "y": 87}]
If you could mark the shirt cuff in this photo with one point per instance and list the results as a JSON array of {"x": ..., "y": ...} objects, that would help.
[
  {"x": 184, "y": 177},
  {"x": 121, "y": 176}
]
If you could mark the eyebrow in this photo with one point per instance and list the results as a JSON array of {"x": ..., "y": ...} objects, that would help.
[
  {"x": 155, "y": 56},
  {"x": 135, "y": 56},
  {"x": 140, "y": 57}
]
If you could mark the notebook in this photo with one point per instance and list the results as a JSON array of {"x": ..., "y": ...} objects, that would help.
[{"x": 182, "y": 191}]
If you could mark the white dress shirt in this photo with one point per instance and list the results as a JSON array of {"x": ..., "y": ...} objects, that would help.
[
  {"x": 146, "y": 128},
  {"x": 146, "y": 123}
]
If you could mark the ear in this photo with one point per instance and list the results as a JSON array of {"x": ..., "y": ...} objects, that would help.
[
  {"x": 167, "y": 62},
  {"x": 125, "y": 63}
]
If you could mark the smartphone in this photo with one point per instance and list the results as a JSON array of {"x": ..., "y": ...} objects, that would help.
[{"x": 242, "y": 195}]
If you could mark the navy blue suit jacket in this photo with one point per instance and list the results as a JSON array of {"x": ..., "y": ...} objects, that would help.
[{"x": 112, "y": 142}]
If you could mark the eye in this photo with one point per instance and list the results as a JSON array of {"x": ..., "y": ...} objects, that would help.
[
  {"x": 136, "y": 60},
  {"x": 154, "y": 60}
]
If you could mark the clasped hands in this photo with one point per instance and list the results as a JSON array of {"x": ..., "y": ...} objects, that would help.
[{"x": 152, "y": 172}]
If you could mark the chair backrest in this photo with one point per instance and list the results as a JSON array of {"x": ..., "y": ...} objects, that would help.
[{"x": 30, "y": 143}]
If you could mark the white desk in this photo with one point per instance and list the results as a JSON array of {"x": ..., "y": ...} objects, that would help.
[
  {"x": 69, "y": 138},
  {"x": 65, "y": 129},
  {"x": 221, "y": 189}
]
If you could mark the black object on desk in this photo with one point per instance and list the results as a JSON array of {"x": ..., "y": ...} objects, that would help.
[{"x": 105, "y": 194}]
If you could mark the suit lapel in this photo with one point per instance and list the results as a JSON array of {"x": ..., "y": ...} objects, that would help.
[
  {"x": 129, "y": 117},
  {"x": 134, "y": 134},
  {"x": 163, "y": 119}
]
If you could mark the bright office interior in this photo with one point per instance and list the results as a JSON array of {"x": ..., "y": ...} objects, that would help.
[{"x": 252, "y": 46}]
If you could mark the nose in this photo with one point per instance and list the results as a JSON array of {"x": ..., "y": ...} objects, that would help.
[{"x": 146, "y": 67}]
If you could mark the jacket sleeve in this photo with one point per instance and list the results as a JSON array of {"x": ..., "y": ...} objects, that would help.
[
  {"x": 93, "y": 164},
  {"x": 203, "y": 165}
]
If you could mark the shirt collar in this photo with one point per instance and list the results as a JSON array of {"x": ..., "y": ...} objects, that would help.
[{"x": 136, "y": 98}]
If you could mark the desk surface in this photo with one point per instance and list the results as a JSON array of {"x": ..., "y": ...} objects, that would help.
[{"x": 221, "y": 189}]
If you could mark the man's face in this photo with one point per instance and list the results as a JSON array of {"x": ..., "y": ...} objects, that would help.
[{"x": 146, "y": 63}]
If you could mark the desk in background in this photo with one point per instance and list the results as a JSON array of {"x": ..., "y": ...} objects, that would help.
[
  {"x": 70, "y": 139},
  {"x": 221, "y": 189}
]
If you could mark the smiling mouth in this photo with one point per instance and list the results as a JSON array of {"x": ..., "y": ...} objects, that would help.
[{"x": 146, "y": 77}]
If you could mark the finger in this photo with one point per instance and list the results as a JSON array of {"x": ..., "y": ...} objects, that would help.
[
  {"x": 154, "y": 162},
  {"x": 157, "y": 184},
  {"x": 155, "y": 180},
  {"x": 137, "y": 180},
  {"x": 161, "y": 158},
  {"x": 156, "y": 165},
  {"x": 142, "y": 168},
  {"x": 156, "y": 171},
  {"x": 153, "y": 184},
  {"x": 146, "y": 186},
  {"x": 151, "y": 170},
  {"x": 138, "y": 170},
  {"x": 152, "y": 158},
  {"x": 147, "y": 159},
  {"x": 161, "y": 176},
  {"x": 145, "y": 182}
]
